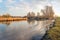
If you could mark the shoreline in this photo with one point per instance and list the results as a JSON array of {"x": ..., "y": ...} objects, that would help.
[{"x": 12, "y": 19}]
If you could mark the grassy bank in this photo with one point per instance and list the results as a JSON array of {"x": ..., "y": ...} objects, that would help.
[{"x": 54, "y": 33}]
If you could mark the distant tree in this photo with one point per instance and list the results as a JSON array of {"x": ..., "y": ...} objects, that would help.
[
  {"x": 38, "y": 14},
  {"x": 6, "y": 15},
  {"x": 32, "y": 14},
  {"x": 48, "y": 12},
  {"x": 28, "y": 15}
]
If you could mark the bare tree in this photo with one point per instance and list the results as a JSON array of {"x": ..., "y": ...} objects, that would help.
[
  {"x": 48, "y": 12},
  {"x": 38, "y": 14},
  {"x": 6, "y": 15}
]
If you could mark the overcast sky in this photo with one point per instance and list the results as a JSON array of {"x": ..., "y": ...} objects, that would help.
[{"x": 22, "y": 7}]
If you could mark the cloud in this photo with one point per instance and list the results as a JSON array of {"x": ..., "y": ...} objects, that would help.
[
  {"x": 10, "y": 1},
  {"x": 22, "y": 7},
  {"x": 18, "y": 10},
  {"x": 1, "y": 0}
]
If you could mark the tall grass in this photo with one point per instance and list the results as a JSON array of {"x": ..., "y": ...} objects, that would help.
[{"x": 54, "y": 33}]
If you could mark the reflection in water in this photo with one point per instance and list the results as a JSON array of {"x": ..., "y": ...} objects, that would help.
[
  {"x": 31, "y": 21},
  {"x": 23, "y": 30},
  {"x": 7, "y": 23}
]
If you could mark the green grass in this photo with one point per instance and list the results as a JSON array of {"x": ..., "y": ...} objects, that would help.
[{"x": 54, "y": 33}]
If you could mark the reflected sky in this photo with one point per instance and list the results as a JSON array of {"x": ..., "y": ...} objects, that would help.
[{"x": 22, "y": 30}]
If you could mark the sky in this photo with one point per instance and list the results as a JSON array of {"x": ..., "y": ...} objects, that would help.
[{"x": 22, "y": 7}]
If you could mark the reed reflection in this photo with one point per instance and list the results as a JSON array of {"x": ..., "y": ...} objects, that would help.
[{"x": 7, "y": 23}]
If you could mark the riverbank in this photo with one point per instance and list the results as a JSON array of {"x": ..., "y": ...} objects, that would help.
[
  {"x": 12, "y": 19},
  {"x": 54, "y": 33}
]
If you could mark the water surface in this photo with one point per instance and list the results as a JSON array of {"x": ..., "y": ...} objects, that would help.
[{"x": 23, "y": 30}]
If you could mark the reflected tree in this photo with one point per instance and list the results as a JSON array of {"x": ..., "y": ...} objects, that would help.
[{"x": 31, "y": 21}]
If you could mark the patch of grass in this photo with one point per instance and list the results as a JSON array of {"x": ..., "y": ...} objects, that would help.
[{"x": 54, "y": 33}]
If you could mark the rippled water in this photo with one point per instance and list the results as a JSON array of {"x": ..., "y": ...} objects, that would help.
[{"x": 23, "y": 30}]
